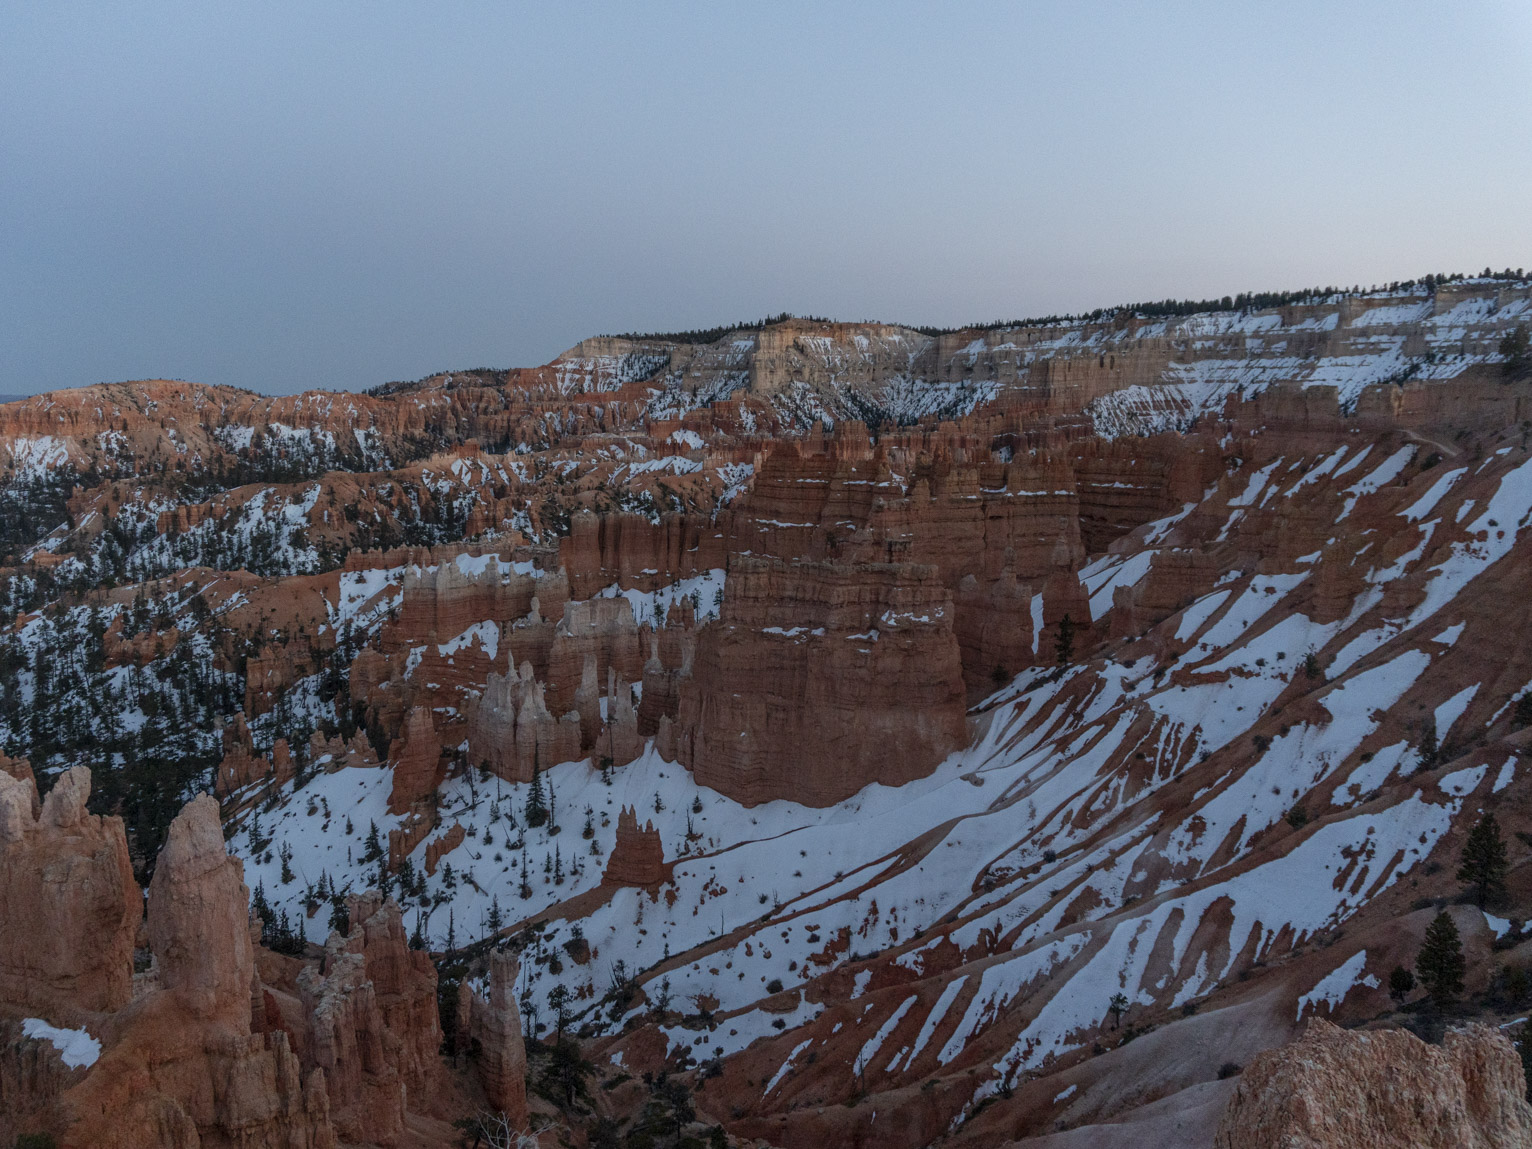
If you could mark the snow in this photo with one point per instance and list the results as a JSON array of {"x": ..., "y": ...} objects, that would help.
[
  {"x": 1503, "y": 779},
  {"x": 1001, "y": 983},
  {"x": 1498, "y": 926},
  {"x": 1369, "y": 775},
  {"x": 1102, "y": 577},
  {"x": 875, "y": 1042},
  {"x": 1424, "y": 505},
  {"x": 1451, "y": 710},
  {"x": 670, "y": 464},
  {"x": 76, "y": 1046},
  {"x": 1461, "y": 783},
  {"x": 1296, "y": 892},
  {"x": 1335, "y": 985},
  {"x": 934, "y": 1018},
  {"x": 705, "y": 590},
  {"x": 34, "y": 456},
  {"x": 1198, "y": 613},
  {"x": 1508, "y": 509},
  {"x": 786, "y": 1066},
  {"x": 485, "y": 634}
]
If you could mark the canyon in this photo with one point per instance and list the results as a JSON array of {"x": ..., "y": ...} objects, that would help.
[{"x": 1044, "y": 734}]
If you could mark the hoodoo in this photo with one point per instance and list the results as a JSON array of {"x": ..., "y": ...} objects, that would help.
[{"x": 1071, "y": 733}]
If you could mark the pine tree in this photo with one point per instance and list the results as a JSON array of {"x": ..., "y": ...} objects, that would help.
[
  {"x": 340, "y": 916},
  {"x": 1401, "y": 982},
  {"x": 558, "y": 999},
  {"x": 1428, "y": 750},
  {"x": 1117, "y": 1007},
  {"x": 536, "y": 811},
  {"x": 1484, "y": 862},
  {"x": 372, "y": 850},
  {"x": 496, "y": 920},
  {"x": 1440, "y": 964},
  {"x": 1064, "y": 642}
]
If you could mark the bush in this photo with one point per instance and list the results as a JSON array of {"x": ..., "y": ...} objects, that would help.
[
  {"x": 774, "y": 985},
  {"x": 1229, "y": 1069}
]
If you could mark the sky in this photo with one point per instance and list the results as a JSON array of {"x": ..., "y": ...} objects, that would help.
[{"x": 296, "y": 195}]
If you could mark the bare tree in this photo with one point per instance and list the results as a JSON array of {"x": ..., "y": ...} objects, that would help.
[{"x": 494, "y": 1131}]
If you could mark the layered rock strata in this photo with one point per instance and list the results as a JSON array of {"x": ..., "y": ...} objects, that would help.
[
  {"x": 69, "y": 906},
  {"x": 1339, "y": 1089}
]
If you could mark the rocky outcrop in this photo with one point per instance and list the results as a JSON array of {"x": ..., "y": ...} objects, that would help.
[
  {"x": 495, "y": 1025},
  {"x": 638, "y": 855},
  {"x": 820, "y": 678},
  {"x": 372, "y": 1024},
  {"x": 417, "y": 762},
  {"x": 21, "y": 770},
  {"x": 1339, "y": 1089},
  {"x": 186, "y": 1068},
  {"x": 68, "y": 903},
  {"x": 404, "y": 981},
  {"x": 444, "y": 845},
  {"x": 198, "y": 918}
]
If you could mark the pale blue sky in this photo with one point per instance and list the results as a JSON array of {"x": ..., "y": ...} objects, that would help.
[{"x": 288, "y": 195}]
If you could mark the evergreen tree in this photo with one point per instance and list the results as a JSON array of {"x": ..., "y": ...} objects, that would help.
[
  {"x": 372, "y": 850},
  {"x": 1428, "y": 750},
  {"x": 496, "y": 919},
  {"x": 1064, "y": 642},
  {"x": 1484, "y": 862},
  {"x": 1440, "y": 964},
  {"x": 558, "y": 1001},
  {"x": 536, "y": 811},
  {"x": 1117, "y": 1007},
  {"x": 1401, "y": 982},
  {"x": 340, "y": 916}
]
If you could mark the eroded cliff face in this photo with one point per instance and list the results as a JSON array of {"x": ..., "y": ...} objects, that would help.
[
  {"x": 220, "y": 1042},
  {"x": 68, "y": 901},
  {"x": 734, "y": 682},
  {"x": 1334, "y": 1089},
  {"x": 182, "y": 1065}
]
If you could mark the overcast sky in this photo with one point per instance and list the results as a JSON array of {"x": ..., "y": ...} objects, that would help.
[{"x": 281, "y": 196}]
